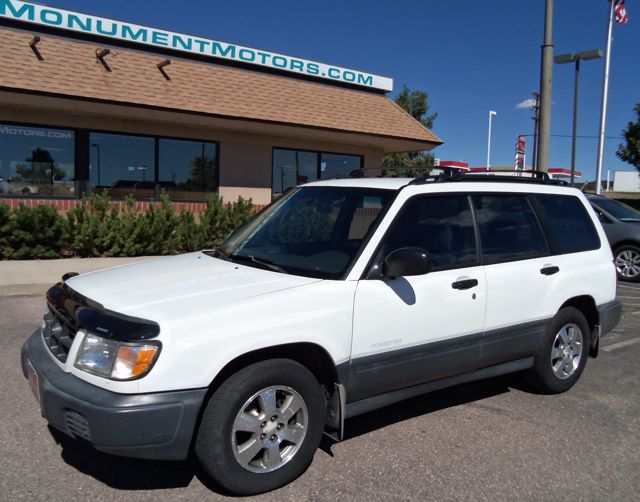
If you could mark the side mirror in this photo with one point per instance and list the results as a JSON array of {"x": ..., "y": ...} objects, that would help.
[{"x": 407, "y": 261}]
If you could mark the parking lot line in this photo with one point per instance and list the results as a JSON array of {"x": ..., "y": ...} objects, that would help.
[
  {"x": 620, "y": 345},
  {"x": 629, "y": 287}
]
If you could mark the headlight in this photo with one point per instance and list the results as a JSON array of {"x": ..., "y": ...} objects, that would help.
[{"x": 116, "y": 360}]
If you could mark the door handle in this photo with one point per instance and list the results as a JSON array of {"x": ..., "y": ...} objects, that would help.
[
  {"x": 465, "y": 284},
  {"x": 549, "y": 270}
]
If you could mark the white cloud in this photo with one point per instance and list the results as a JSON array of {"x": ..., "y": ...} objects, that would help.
[{"x": 526, "y": 104}]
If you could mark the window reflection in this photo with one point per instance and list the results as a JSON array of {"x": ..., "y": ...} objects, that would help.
[
  {"x": 122, "y": 165},
  {"x": 297, "y": 167},
  {"x": 292, "y": 168},
  {"x": 36, "y": 161},
  {"x": 338, "y": 166},
  {"x": 188, "y": 169},
  {"x": 125, "y": 165}
]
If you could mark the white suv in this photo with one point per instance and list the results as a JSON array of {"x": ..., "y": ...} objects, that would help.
[{"x": 341, "y": 297}]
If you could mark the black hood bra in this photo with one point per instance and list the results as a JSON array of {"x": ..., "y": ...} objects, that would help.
[{"x": 79, "y": 312}]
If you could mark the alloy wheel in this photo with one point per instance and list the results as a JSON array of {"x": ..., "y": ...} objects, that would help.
[
  {"x": 628, "y": 263},
  {"x": 566, "y": 351},
  {"x": 269, "y": 429}
]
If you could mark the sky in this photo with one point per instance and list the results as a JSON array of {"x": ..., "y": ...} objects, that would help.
[{"x": 470, "y": 56}]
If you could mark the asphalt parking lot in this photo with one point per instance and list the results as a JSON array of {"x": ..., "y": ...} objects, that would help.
[{"x": 489, "y": 440}]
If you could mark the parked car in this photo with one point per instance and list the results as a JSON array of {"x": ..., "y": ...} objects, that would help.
[
  {"x": 621, "y": 223},
  {"x": 341, "y": 297},
  {"x": 17, "y": 186}
]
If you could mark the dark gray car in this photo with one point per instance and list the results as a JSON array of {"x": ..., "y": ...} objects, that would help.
[{"x": 621, "y": 223}]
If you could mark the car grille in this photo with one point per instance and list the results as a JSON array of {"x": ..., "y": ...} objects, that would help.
[
  {"x": 58, "y": 335},
  {"x": 77, "y": 425}
]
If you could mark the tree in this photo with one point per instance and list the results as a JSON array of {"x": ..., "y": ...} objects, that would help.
[
  {"x": 630, "y": 152},
  {"x": 202, "y": 175},
  {"x": 41, "y": 168},
  {"x": 415, "y": 103}
]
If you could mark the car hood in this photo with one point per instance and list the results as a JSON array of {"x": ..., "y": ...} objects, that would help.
[{"x": 151, "y": 288}]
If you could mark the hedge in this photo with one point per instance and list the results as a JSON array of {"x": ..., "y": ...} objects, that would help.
[{"x": 95, "y": 227}]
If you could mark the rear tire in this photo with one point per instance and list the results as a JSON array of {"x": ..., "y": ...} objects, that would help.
[
  {"x": 563, "y": 353},
  {"x": 261, "y": 428},
  {"x": 627, "y": 260}
]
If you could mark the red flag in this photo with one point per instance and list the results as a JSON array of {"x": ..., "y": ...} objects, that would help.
[{"x": 621, "y": 12}]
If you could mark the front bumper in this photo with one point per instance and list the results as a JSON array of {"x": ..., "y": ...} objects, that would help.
[
  {"x": 153, "y": 426},
  {"x": 609, "y": 315}
]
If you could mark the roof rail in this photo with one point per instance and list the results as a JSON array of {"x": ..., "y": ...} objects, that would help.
[
  {"x": 538, "y": 177},
  {"x": 438, "y": 178}
]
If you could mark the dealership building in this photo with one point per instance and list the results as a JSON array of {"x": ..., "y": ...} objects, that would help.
[{"x": 89, "y": 104}]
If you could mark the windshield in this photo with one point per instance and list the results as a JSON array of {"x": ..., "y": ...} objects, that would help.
[
  {"x": 618, "y": 210},
  {"x": 312, "y": 231}
]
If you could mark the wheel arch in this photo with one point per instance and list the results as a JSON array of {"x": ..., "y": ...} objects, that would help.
[
  {"x": 310, "y": 355},
  {"x": 587, "y": 306},
  {"x": 626, "y": 242}
]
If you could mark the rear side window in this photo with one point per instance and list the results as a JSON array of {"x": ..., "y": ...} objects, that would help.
[
  {"x": 509, "y": 228},
  {"x": 568, "y": 224}
]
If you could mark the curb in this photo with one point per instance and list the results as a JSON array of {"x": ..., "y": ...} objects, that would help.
[{"x": 18, "y": 277}]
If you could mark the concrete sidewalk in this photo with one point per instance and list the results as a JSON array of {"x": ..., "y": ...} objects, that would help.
[{"x": 18, "y": 277}]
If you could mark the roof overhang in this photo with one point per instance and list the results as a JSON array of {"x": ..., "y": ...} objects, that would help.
[{"x": 67, "y": 109}]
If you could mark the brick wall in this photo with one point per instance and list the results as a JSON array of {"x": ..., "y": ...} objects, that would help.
[{"x": 64, "y": 205}]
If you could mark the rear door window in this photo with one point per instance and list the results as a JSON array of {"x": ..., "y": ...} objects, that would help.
[
  {"x": 568, "y": 224},
  {"x": 509, "y": 228}
]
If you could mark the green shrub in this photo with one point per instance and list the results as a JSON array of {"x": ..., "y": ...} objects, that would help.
[
  {"x": 128, "y": 233},
  {"x": 37, "y": 232},
  {"x": 95, "y": 227},
  {"x": 239, "y": 212},
  {"x": 92, "y": 226},
  {"x": 189, "y": 234},
  {"x": 214, "y": 223},
  {"x": 217, "y": 221},
  {"x": 161, "y": 222},
  {"x": 6, "y": 228}
]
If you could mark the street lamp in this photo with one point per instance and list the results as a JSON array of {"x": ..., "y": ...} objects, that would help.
[
  {"x": 491, "y": 114},
  {"x": 97, "y": 146},
  {"x": 570, "y": 58}
]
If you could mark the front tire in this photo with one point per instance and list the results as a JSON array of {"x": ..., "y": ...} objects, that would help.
[
  {"x": 563, "y": 353},
  {"x": 262, "y": 426},
  {"x": 628, "y": 263}
]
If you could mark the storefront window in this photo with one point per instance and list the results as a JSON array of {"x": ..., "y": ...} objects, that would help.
[
  {"x": 122, "y": 165},
  {"x": 36, "y": 161},
  {"x": 292, "y": 168},
  {"x": 338, "y": 166},
  {"x": 296, "y": 167},
  {"x": 188, "y": 169}
]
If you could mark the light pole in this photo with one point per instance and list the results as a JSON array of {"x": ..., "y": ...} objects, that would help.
[
  {"x": 570, "y": 58},
  {"x": 491, "y": 114},
  {"x": 536, "y": 129},
  {"x": 97, "y": 146},
  {"x": 546, "y": 74}
]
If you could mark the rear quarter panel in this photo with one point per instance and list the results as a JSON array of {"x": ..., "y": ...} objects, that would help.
[{"x": 591, "y": 273}]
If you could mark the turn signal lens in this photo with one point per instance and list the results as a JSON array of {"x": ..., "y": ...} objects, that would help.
[{"x": 133, "y": 361}]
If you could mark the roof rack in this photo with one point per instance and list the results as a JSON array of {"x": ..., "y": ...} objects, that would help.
[{"x": 537, "y": 177}]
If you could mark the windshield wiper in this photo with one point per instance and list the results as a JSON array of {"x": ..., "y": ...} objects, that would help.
[
  {"x": 216, "y": 253},
  {"x": 263, "y": 262}
]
